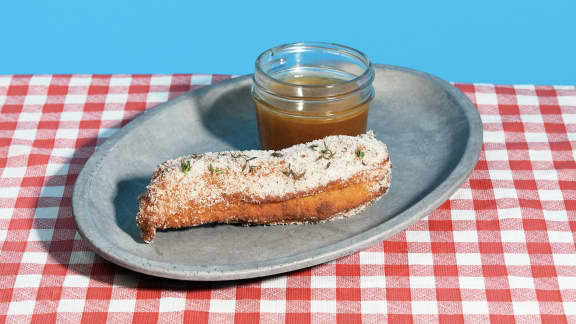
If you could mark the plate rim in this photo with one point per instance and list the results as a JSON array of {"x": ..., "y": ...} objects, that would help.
[{"x": 326, "y": 253}]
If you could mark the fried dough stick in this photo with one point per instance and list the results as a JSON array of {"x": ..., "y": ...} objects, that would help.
[{"x": 316, "y": 181}]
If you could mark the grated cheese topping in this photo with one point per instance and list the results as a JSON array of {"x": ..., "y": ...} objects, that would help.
[{"x": 259, "y": 175}]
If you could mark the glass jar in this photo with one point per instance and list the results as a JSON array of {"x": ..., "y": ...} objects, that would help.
[{"x": 307, "y": 91}]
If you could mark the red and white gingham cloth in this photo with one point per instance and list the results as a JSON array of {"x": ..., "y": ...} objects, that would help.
[{"x": 502, "y": 248}]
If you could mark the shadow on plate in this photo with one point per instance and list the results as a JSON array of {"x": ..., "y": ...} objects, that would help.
[
  {"x": 231, "y": 117},
  {"x": 126, "y": 205}
]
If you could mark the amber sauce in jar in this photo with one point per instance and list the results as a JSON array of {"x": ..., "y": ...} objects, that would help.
[
  {"x": 307, "y": 91},
  {"x": 279, "y": 130}
]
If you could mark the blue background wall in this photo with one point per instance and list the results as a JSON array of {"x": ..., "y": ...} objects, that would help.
[{"x": 463, "y": 41}]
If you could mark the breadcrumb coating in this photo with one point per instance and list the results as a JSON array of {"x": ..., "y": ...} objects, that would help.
[{"x": 315, "y": 181}]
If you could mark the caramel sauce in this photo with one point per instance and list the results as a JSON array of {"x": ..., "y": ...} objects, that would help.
[{"x": 279, "y": 130}]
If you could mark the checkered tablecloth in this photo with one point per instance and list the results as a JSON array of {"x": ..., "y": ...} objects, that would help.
[{"x": 502, "y": 248}]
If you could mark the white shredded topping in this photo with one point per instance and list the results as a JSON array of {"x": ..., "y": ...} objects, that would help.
[{"x": 259, "y": 175}]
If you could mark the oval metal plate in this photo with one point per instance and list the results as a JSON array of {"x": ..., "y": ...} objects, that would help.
[{"x": 433, "y": 133}]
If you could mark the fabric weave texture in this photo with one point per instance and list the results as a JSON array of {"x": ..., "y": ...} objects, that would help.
[{"x": 502, "y": 248}]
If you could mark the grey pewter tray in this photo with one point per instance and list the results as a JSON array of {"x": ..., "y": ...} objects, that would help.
[{"x": 433, "y": 133}]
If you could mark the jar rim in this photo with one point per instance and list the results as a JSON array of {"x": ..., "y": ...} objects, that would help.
[{"x": 367, "y": 73}]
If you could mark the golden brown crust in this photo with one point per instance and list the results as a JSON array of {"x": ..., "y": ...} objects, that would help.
[{"x": 313, "y": 208}]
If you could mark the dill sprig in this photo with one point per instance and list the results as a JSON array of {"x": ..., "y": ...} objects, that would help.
[
  {"x": 247, "y": 160},
  {"x": 215, "y": 170},
  {"x": 290, "y": 173},
  {"x": 326, "y": 153},
  {"x": 185, "y": 166},
  {"x": 247, "y": 163}
]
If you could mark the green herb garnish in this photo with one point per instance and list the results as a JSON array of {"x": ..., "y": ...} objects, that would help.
[
  {"x": 185, "y": 166},
  {"x": 247, "y": 162},
  {"x": 313, "y": 147},
  {"x": 328, "y": 165},
  {"x": 277, "y": 154},
  {"x": 298, "y": 176},
  {"x": 360, "y": 153},
  {"x": 290, "y": 173},
  {"x": 214, "y": 170},
  {"x": 326, "y": 153}
]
